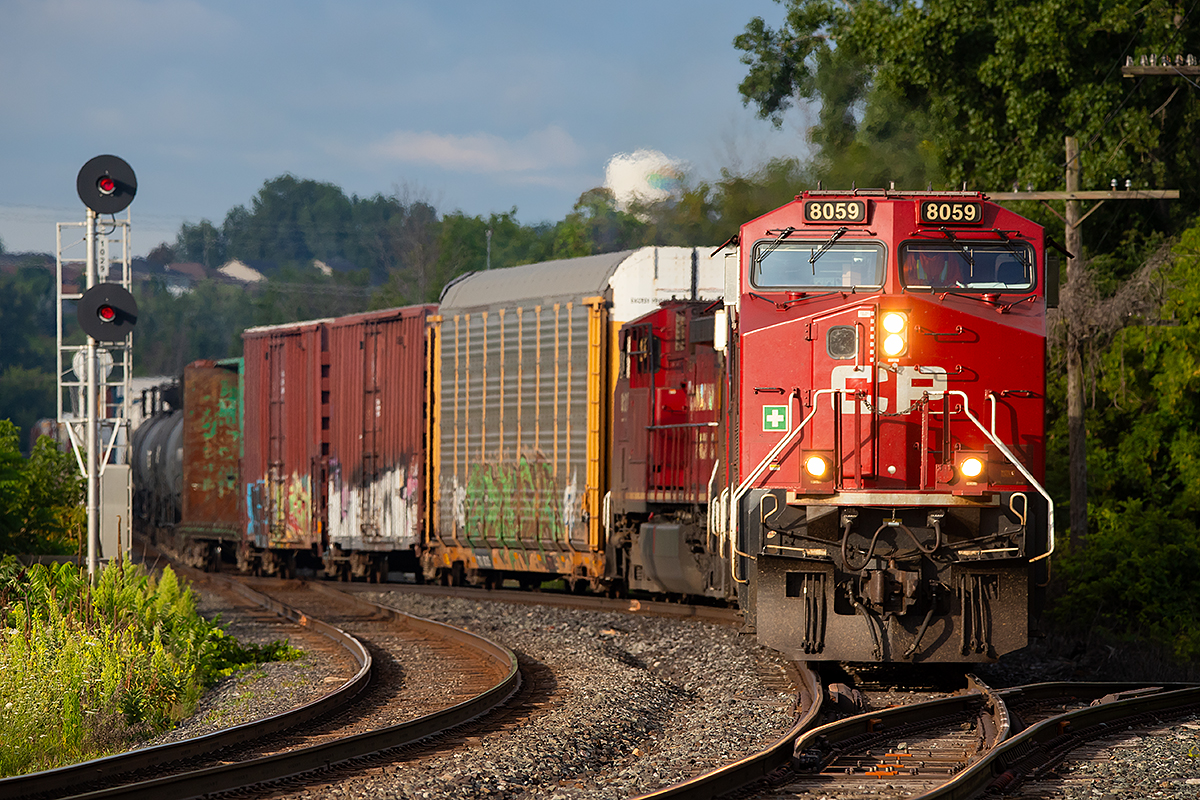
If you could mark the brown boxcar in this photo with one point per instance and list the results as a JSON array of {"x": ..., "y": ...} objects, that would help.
[
  {"x": 376, "y": 464},
  {"x": 286, "y": 441},
  {"x": 212, "y": 449}
]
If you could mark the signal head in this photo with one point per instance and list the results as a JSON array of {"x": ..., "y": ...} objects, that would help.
[
  {"x": 107, "y": 312},
  {"x": 106, "y": 184}
]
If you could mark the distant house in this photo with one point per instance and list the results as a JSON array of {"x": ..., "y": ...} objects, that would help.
[
  {"x": 241, "y": 272},
  {"x": 181, "y": 276}
]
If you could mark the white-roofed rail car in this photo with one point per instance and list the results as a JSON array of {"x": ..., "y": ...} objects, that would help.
[{"x": 523, "y": 374}]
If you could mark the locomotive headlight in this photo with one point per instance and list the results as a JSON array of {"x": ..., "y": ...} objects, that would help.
[
  {"x": 895, "y": 325},
  {"x": 893, "y": 344},
  {"x": 971, "y": 467},
  {"x": 816, "y": 467}
]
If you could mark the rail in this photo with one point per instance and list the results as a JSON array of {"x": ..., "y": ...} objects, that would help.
[
  {"x": 61, "y": 781},
  {"x": 740, "y": 773},
  {"x": 66, "y": 783}
]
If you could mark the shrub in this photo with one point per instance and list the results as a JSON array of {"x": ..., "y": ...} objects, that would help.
[{"x": 84, "y": 671}]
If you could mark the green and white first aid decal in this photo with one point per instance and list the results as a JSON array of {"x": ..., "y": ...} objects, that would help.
[{"x": 775, "y": 418}]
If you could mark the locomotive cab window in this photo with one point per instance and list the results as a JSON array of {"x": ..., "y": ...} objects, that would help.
[
  {"x": 970, "y": 266},
  {"x": 818, "y": 265}
]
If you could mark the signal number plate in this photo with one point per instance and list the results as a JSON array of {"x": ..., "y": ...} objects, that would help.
[
  {"x": 953, "y": 212},
  {"x": 835, "y": 211}
]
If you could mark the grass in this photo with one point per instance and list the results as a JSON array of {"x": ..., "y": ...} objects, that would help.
[{"x": 86, "y": 671}]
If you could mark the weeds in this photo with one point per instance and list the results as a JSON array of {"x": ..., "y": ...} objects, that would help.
[{"x": 85, "y": 671}]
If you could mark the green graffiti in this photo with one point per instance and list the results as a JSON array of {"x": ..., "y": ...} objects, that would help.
[{"x": 513, "y": 502}]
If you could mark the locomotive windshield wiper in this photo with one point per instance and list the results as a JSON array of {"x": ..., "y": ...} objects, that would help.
[
  {"x": 961, "y": 247},
  {"x": 1020, "y": 252},
  {"x": 766, "y": 251},
  {"x": 839, "y": 233}
]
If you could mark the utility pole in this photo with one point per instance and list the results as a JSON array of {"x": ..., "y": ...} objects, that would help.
[{"x": 1076, "y": 428}]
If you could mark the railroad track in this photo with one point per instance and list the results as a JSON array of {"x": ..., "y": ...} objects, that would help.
[
  {"x": 978, "y": 742},
  {"x": 336, "y": 729}
]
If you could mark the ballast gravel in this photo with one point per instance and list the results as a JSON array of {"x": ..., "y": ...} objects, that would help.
[{"x": 633, "y": 703}]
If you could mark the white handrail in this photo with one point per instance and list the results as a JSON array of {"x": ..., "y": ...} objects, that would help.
[
  {"x": 1020, "y": 468},
  {"x": 762, "y": 465}
]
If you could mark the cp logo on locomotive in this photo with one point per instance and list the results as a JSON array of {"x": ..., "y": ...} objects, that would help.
[{"x": 909, "y": 386}]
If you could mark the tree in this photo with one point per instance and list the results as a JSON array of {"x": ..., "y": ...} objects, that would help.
[
  {"x": 40, "y": 498},
  {"x": 1139, "y": 572},
  {"x": 986, "y": 92},
  {"x": 201, "y": 243},
  {"x": 163, "y": 254},
  {"x": 290, "y": 221}
]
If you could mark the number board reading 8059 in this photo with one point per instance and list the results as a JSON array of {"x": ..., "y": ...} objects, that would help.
[
  {"x": 949, "y": 212},
  {"x": 835, "y": 211}
]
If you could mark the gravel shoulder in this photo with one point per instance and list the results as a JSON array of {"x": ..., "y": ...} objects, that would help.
[{"x": 638, "y": 702}]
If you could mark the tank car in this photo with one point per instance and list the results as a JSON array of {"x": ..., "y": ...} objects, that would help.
[{"x": 887, "y": 391}]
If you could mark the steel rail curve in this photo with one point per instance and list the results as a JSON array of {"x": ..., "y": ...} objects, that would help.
[
  {"x": 64, "y": 779},
  {"x": 1045, "y": 743},
  {"x": 280, "y": 766},
  {"x": 747, "y": 770}
]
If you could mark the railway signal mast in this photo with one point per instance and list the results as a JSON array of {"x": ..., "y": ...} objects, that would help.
[{"x": 98, "y": 419}]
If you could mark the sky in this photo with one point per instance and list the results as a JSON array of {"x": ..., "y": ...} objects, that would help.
[{"x": 473, "y": 106}]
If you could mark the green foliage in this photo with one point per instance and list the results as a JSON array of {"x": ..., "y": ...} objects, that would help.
[
  {"x": 27, "y": 395},
  {"x": 85, "y": 671},
  {"x": 952, "y": 91},
  {"x": 40, "y": 497},
  {"x": 201, "y": 243},
  {"x": 27, "y": 342},
  {"x": 1140, "y": 572}
]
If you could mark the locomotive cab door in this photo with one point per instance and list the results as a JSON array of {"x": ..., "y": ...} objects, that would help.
[{"x": 845, "y": 426}]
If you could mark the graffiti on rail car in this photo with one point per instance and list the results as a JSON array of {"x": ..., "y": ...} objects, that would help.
[
  {"x": 379, "y": 513},
  {"x": 517, "y": 503},
  {"x": 279, "y": 511}
]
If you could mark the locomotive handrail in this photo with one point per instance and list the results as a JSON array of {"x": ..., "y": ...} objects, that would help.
[
  {"x": 683, "y": 425},
  {"x": 734, "y": 528},
  {"x": 1020, "y": 468}
]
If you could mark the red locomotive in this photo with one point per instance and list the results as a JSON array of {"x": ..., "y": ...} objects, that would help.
[
  {"x": 887, "y": 388},
  {"x": 850, "y": 443}
]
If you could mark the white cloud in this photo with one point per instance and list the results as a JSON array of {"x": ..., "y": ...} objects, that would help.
[
  {"x": 550, "y": 148},
  {"x": 646, "y": 175}
]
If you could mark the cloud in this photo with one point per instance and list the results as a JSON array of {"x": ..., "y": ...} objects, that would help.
[
  {"x": 645, "y": 175},
  {"x": 550, "y": 148}
]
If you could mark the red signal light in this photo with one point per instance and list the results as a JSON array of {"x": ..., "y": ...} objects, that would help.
[
  {"x": 106, "y": 185},
  {"x": 106, "y": 313}
]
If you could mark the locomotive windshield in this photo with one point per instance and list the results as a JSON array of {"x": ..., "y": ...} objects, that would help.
[
  {"x": 803, "y": 265},
  {"x": 967, "y": 266}
]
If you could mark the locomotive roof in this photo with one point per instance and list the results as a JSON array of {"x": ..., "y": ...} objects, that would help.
[{"x": 567, "y": 277}]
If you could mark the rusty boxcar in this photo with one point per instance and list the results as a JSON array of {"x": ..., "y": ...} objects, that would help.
[{"x": 211, "y": 438}]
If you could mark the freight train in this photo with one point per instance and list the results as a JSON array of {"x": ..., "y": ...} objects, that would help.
[{"x": 835, "y": 421}]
